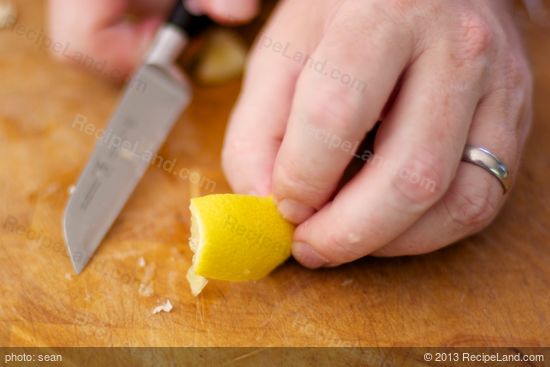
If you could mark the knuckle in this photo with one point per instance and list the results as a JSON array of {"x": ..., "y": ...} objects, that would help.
[
  {"x": 471, "y": 207},
  {"x": 331, "y": 109},
  {"x": 411, "y": 14},
  {"x": 293, "y": 182},
  {"x": 419, "y": 181},
  {"x": 516, "y": 72},
  {"x": 474, "y": 37}
]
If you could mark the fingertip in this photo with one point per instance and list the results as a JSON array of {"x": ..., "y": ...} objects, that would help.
[
  {"x": 294, "y": 211},
  {"x": 298, "y": 191},
  {"x": 306, "y": 255},
  {"x": 233, "y": 12}
]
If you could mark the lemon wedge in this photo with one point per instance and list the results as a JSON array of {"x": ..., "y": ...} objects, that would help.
[{"x": 236, "y": 238}]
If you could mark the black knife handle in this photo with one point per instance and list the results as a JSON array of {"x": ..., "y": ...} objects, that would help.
[{"x": 186, "y": 21}]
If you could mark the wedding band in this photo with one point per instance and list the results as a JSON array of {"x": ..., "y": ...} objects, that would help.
[{"x": 483, "y": 158}]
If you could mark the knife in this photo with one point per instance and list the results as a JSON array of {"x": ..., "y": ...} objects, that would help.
[{"x": 152, "y": 102}]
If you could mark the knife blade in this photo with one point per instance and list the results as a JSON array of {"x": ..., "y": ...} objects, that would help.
[{"x": 151, "y": 104}]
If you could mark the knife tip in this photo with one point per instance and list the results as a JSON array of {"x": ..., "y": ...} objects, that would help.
[
  {"x": 77, "y": 260},
  {"x": 78, "y": 267}
]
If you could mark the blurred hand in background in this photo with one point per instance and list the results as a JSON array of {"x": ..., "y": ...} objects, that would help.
[{"x": 102, "y": 29}]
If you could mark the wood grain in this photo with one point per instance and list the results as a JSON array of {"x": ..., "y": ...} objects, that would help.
[{"x": 491, "y": 289}]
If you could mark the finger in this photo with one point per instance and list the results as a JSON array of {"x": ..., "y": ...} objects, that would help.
[
  {"x": 500, "y": 125},
  {"x": 472, "y": 200},
  {"x": 259, "y": 119},
  {"x": 418, "y": 149},
  {"x": 102, "y": 40},
  {"x": 230, "y": 11},
  {"x": 339, "y": 96}
]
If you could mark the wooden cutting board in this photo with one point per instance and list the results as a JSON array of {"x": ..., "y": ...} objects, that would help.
[{"x": 491, "y": 289}]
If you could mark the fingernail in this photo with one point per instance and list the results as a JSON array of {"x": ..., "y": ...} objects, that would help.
[
  {"x": 294, "y": 211},
  {"x": 307, "y": 256}
]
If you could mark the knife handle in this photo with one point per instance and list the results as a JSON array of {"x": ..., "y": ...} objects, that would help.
[
  {"x": 172, "y": 37},
  {"x": 188, "y": 22}
]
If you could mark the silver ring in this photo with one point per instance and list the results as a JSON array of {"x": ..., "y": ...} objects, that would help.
[{"x": 483, "y": 158}]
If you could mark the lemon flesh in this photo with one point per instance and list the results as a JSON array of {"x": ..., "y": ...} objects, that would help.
[{"x": 236, "y": 238}]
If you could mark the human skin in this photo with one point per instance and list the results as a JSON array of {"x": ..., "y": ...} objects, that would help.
[
  {"x": 439, "y": 74},
  {"x": 100, "y": 28}
]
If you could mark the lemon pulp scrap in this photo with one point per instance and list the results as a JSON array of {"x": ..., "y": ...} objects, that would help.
[
  {"x": 236, "y": 238},
  {"x": 222, "y": 59}
]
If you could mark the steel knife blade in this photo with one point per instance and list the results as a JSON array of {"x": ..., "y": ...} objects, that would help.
[{"x": 151, "y": 104}]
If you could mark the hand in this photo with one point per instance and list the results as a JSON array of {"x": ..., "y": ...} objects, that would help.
[
  {"x": 440, "y": 74},
  {"x": 98, "y": 35}
]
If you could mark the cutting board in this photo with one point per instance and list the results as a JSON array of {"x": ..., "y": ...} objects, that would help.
[{"x": 490, "y": 289}]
